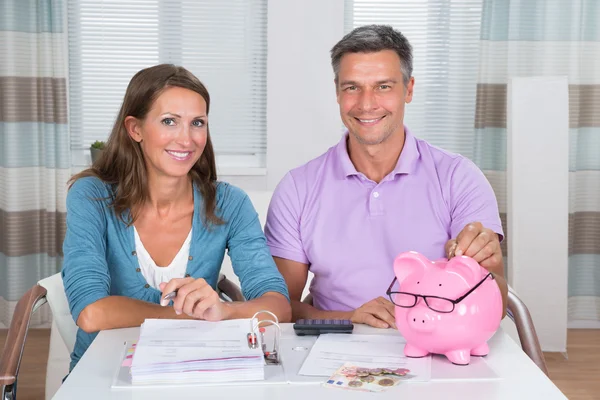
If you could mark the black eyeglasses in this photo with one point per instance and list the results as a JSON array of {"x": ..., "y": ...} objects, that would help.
[{"x": 436, "y": 303}]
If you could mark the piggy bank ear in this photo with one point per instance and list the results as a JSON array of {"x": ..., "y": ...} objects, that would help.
[
  {"x": 408, "y": 263},
  {"x": 466, "y": 267}
]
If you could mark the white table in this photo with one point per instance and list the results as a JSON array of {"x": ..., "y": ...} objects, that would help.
[{"x": 518, "y": 376}]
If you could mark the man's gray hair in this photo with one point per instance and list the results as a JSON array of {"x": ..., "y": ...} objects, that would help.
[{"x": 371, "y": 39}]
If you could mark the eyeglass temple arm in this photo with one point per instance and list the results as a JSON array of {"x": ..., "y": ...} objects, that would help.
[
  {"x": 389, "y": 289},
  {"x": 461, "y": 298}
]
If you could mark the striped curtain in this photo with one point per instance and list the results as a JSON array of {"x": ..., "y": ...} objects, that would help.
[
  {"x": 549, "y": 37},
  {"x": 34, "y": 147}
]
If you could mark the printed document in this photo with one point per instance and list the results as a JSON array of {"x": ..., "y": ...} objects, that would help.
[
  {"x": 185, "y": 351},
  {"x": 331, "y": 351}
]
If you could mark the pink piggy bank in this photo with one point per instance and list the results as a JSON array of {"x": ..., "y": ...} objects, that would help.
[{"x": 445, "y": 307}]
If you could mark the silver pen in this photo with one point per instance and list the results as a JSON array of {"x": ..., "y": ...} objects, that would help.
[{"x": 170, "y": 296}]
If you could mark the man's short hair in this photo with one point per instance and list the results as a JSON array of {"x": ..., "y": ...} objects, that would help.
[{"x": 371, "y": 39}]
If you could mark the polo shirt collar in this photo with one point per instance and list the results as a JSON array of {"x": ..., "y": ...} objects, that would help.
[{"x": 406, "y": 162}]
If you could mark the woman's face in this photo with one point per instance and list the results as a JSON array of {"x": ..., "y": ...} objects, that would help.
[{"x": 173, "y": 134}]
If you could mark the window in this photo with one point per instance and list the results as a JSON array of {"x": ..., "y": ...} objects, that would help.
[
  {"x": 223, "y": 42},
  {"x": 445, "y": 40}
]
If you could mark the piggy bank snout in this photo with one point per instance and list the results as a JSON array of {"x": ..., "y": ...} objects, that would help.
[{"x": 421, "y": 319}]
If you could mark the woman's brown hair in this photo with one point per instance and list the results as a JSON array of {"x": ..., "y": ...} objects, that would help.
[{"x": 122, "y": 165}]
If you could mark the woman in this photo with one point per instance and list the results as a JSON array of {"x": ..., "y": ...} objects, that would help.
[{"x": 149, "y": 218}]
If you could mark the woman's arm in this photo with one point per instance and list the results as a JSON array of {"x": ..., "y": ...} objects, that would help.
[
  {"x": 261, "y": 282},
  {"x": 114, "y": 312},
  {"x": 197, "y": 299}
]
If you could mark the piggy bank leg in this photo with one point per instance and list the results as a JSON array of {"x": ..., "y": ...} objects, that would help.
[
  {"x": 415, "y": 352},
  {"x": 459, "y": 357},
  {"x": 481, "y": 351}
]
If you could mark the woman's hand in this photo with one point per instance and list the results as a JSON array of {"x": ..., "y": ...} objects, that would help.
[{"x": 195, "y": 298}]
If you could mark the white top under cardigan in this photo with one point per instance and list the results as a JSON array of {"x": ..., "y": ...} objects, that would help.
[{"x": 156, "y": 275}]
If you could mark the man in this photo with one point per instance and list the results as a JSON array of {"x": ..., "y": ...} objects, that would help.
[{"x": 380, "y": 191}]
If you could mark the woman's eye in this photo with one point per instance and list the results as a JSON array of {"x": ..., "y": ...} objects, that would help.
[
  {"x": 198, "y": 123},
  {"x": 168, "y": 121}
]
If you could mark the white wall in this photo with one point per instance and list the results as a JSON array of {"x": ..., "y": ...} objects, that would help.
[
  {"x": 302, "y": 114},
  {"x": 538, "y": 202}
]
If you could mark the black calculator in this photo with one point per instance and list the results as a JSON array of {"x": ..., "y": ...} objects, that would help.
[{"x": 304, "y": 327}]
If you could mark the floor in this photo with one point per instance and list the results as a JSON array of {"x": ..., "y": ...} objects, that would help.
[{"x": 578, "y": 376}]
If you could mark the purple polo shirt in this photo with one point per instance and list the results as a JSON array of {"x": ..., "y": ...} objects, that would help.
[{"x": 349, "y": 229}]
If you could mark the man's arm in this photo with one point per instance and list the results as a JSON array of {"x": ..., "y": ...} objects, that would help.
[
  {"x": 378, "y": 312},
  {"x": 476, "y": 229}
]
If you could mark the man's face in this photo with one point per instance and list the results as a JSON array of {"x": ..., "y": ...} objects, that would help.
[{"x": 371, "y": 95}]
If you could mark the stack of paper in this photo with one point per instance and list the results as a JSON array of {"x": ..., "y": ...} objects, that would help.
[{"x": 182, "y": 351}]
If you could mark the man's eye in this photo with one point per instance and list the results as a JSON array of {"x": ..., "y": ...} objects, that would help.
[
  {"x": 168, "y": 121},
  {"x": 384, "y": 86},
  {"x": 351, "y": 88},
  {"x": 198, "y": 123}
]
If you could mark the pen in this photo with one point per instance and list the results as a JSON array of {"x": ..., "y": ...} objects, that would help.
[{"x": 170, "y": 296}]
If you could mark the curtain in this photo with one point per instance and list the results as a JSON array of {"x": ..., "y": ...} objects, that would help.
[
  {"x": 540, "y": 37},
  {"x": 34, "y": 147}
]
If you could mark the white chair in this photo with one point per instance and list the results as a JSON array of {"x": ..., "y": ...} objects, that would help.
[{"x": 62, "y": 333}]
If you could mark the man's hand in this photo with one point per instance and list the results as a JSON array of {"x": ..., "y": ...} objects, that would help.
[
  {"x": 378, "y": 313},
  {"x": 480, "y": 243},
  {"x": 483, "y": 245},
  {"x": 196, "y": 298}
]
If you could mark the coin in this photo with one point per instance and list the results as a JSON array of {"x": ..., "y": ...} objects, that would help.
[
  {"x": 387, "y": 371},
  {"x": 367, "y": 379},
  {"x": 386, "y": 382},
  {"x": 375, "y": 371},
  {"x": 362, "y": 373},
  {"x": 355, "y": 383},
  {"x": 400, "y": 371}
]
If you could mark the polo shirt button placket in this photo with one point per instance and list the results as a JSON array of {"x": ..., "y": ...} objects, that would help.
[{"x": 375, "y": 204}]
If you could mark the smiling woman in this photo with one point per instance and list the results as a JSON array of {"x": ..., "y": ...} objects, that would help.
[{"x": 150, "y": 218}]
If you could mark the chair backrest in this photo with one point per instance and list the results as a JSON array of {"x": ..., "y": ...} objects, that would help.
[{"x": 61, "y": 314}]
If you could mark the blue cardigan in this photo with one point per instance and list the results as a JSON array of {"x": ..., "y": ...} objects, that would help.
[{"x": 100, "y": 258}]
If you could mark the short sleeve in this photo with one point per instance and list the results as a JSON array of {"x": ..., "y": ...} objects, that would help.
[
  {"x": 85, "y": 271},
  {"x": 472, "y": 199},
  {"x": 282, "y": 227},
  {"x": 247, "y": 247}
]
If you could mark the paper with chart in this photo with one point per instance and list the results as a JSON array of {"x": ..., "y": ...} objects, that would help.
[{"x": 331, "y": 351}]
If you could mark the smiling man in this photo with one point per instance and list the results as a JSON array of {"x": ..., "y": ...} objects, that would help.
[{"x": 380, "y": 191}]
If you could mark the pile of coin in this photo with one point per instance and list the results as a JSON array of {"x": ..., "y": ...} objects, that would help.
[
  {"x": 367, "y": 375},
  {"x": 363, "y": 372}
]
